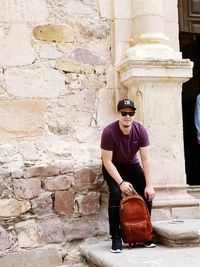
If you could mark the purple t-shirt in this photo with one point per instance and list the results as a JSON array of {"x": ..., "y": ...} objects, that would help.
[{"x": 124, "y": 147}]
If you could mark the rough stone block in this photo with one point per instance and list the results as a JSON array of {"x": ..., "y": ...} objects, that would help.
[
  {"x": 42, "y": 205},
  {"x": 5, "y": 240},
  {"x": 20, "y": 118},
  {"x": 88, "y": 204},
  {"x": 54, "y": 33},
  {"x": 47, "y": 170},
  {"x": 57, "y": 183},
  {"x": 85, "y": 179},
  {"x": 39, "y": 82},
  {"x": 76, "y": 230},
  {"x": 12, "y": 11},
  {"x": 27, "y": 188},
  {"x": 16, "y": 48},
  {"x": 28, "y": 234},
  {"x": 44, "y": 257},
  {"x": 64, "y": 202},
  {"x": 52, "y": 231},
  {"x": 13, "y": 207}
]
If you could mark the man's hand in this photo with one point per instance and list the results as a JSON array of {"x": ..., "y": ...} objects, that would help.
[
  {"x": 199, "y": 142},
  {"x": 126, "y": 188},
  {"x": 149, "y": 193}
]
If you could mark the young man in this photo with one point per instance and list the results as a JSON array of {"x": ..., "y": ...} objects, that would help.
[
  {"x": 120, "y": 142},
  {"x": 197, "y": 117}
]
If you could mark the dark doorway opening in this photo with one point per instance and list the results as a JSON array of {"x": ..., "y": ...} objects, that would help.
[{"x": 190, "y": 48}]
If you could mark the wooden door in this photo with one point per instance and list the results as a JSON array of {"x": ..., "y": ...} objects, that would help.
[{"x": 189, "y": 16}]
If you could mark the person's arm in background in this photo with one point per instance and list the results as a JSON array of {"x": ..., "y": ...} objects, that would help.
[
  {"x": 197, "y": 117},
  {"x": 106, "y": 156},
  {"x": 149, "y": 192}
]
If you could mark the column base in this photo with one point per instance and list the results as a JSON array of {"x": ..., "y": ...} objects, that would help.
[
  {"x": 152, "y": 51},
  {"x": 173, "y": 202}
]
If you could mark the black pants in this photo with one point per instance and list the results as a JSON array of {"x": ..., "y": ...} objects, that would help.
[{"x": 133, "y": 174}]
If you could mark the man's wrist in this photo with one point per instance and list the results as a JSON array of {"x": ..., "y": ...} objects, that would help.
[{"x": 121, "y": 183}]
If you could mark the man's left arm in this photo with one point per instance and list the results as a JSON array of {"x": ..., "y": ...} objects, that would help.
[{"x": 149, "y": 192}]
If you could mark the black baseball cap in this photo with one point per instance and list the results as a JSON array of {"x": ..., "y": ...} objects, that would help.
[{"x": 125, "y": 103}]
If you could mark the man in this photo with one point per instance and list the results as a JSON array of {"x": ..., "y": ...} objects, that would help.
[
  {"x": 120, "y": 142},
  {"x": 197, "y": 117}
]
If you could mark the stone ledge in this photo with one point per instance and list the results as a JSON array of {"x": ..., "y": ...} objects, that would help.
[{"x": 178, "y": 233}]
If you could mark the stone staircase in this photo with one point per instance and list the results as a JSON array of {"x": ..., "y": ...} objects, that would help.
[{"x": 178, "y": 245}]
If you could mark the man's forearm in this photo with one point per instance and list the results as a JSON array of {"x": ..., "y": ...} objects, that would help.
[
  {"x": 112, "y": 170},
  {"x": 147, "y": 171}
]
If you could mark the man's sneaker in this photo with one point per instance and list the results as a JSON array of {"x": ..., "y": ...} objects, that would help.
[
  {"x": 116, "y": 244},
  {"x": 149, "y": 244}
]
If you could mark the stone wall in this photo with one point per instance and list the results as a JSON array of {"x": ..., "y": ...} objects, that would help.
[{"x": 56, "y": 93}]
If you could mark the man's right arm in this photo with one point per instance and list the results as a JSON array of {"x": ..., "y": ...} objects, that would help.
[{"x": 125, "y": 187}]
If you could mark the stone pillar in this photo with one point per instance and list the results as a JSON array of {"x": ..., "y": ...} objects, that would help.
[
  {"x": 149, "y": 40},
  {"x": 153, "y": 73}
]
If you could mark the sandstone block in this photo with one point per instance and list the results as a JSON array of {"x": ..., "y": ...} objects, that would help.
[
  {"x": 52, "y": 231},
  {"x": 77, "y": 8},
  {"x": 105, "y": 7},
  {"x": 64, "y": 202},
  {"x": 84, "y": 56},
  {"x": 91, "y": 82},
  {"x": 66, "y": 167},
  {"x": 42, "y": 205},
  {"x": 16, "y": 48},
  {"x": 49, "y": 51},
  {"x": 54, "y": 33},
  {"x": 13, "y": 207},
  {"x": 20, "y": 118},
  {"x": 28, "y": 151},
  {"x": 68, "y": 65},
  {"x": 47, "y": 170},
  {"x": 43, "y": 257},
  {"x": 86, "y": 178},
  {"x": 76, "y": 230},
  {"x": 57, "y": 183},
  {"x": 36, "y": 82},
  {"x": 5, "y": 241},
  {"x": 28, "y": 234},
  {"x": 4, "y": 173},
  {"x": 23, "y": 11},
  {"x": 88, "y": 204},
  {"x": 27, "y": 188}
]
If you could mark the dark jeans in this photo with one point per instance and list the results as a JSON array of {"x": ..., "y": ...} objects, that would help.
[{"x": 133, "y": 174}]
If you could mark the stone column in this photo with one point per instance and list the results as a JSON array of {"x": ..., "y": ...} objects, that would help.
[
  {"x": 149, "y": 40},
  {"x": 153, "y": 73}
]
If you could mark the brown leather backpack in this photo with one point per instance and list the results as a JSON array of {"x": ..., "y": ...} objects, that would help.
[{"x": 135, "y": 220}]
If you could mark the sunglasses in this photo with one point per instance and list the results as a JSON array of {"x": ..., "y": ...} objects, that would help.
[{"x": 124, "y": 113}]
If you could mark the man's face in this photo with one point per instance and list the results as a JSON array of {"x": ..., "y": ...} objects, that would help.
[{"x": 125, "y": 116}]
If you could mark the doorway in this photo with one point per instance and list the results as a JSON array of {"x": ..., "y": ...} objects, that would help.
[{"x": 190, "y": 47}]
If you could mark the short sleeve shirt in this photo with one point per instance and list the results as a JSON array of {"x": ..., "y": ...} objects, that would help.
[{"x": 124, "y": 147}]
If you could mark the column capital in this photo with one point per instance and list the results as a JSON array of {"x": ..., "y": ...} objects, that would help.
[{"x": 151, "y": 70}]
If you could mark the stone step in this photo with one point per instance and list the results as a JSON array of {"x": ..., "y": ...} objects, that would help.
[
  {"x": 99, "y": 255},
  {"x": 178, "y": 233},
  {"x": 178, "y": 246},
  {"x": 48, "y": 256}
]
